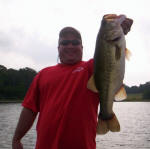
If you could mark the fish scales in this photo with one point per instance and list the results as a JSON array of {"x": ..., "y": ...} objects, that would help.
[{"x": 109, "y": 69}]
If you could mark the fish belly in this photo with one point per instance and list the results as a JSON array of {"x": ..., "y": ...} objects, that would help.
[{"x": 108, "y": 77}]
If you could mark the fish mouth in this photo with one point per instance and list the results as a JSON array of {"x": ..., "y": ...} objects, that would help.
[
  {"x": 116, "y": 39},
  {"x": 110, "y": 16},
  {"x": 114, "y": 17}
]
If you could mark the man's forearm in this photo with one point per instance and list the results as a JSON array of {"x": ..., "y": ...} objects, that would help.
[{"x": 26, "y": 120}]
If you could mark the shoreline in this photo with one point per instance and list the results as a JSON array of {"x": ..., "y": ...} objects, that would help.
[
  {"x": 17, "y": 101},
  {"x": 8, "y": 102}
]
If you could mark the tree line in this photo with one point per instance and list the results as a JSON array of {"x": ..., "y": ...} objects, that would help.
[
  {"x": 15, "y": 83},
  {"x": 144, "y": 89}
]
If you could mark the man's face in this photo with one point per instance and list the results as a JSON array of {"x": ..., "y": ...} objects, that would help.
[{"x": 70, "y": 49}]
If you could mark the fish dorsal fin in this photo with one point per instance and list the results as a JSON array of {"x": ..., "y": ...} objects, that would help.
[
  {"x": 128, "y": 54},
  {"x": 121, "y": 94},
  {"x": 91, "y": 85}
]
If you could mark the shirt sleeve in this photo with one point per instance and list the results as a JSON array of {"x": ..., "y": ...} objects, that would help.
[
  {"x": 31, "y": 100},
  {"x": 90, "y": 65}
]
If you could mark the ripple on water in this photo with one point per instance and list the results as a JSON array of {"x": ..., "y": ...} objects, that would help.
[{"x": 134, "y": 120}]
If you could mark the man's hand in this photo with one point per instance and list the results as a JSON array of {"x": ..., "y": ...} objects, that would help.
[
  {"x": 26, "y": 120},
  {"x": 17, "y": 145},
  {"x": 126, "y": 25}
]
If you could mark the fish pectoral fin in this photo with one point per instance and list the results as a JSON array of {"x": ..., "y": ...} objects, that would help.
[
  {"x": 128, "y": 54},
  {"x": 121, "y": 94},
  {"x": 91, "y": 85},
  {"x": 118, "y": 53}
]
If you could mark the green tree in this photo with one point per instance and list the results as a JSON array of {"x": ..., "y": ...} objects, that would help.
[
  {"x": 146, "y": 94},
  {"x": 15, "y": 83}
]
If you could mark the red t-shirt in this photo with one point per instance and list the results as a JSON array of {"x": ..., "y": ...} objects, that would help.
[{"x": 67, "y": 109}]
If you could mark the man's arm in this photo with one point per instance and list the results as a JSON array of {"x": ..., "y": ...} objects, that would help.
[{"x": 26, "y": 120}]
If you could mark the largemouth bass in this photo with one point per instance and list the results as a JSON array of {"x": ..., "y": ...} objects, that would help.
[{"x": 109, "y": 69}]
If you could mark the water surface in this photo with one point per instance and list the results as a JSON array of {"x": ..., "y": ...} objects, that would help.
[{"x": 134, "y": 119}]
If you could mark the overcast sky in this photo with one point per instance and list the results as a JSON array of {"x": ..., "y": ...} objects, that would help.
[{"x": 29, "y": 32}]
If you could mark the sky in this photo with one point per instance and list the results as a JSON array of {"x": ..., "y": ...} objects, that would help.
[{"x": 29, "y": 32}]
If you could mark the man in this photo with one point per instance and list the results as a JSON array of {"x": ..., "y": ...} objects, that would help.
[{"x": 67, "y": 109}]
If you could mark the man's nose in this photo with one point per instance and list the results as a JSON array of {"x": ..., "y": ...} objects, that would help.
[{"x": 70, "y": 45}]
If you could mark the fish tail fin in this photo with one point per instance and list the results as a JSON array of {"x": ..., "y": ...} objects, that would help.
[
  {"x": 113, "y": 124},
  {"x": 102, "y": 127}
]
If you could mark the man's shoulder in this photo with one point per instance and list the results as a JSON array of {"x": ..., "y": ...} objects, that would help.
[
  {"x": 56, "y": 67},
  {"x": 49, "y": 68},
  {"x": 89, "y": 62}
]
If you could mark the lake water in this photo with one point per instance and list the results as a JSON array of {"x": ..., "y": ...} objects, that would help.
[{"x": 134, "y": 119}]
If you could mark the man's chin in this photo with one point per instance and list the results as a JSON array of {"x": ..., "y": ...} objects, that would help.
[{"x": 71, "y": 62}]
